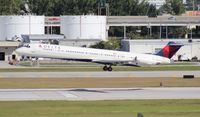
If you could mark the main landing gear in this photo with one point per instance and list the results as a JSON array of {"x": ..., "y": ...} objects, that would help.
[{"x": 106, "y": 68}]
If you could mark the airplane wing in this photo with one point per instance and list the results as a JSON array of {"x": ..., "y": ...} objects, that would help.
[{"x": 111, "y": 62}]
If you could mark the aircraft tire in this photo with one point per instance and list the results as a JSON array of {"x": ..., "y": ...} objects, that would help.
[
  {"x": 109, "y": 68},
  {"x": 105, "y": 68}
]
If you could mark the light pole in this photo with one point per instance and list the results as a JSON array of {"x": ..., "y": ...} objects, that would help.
[{"x": 29, "y": 13}]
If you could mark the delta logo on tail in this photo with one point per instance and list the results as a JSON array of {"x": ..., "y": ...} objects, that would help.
[{"x": 169, "y": 50}]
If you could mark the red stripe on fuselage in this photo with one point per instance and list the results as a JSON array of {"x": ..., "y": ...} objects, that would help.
[{"x": 166, "y": 51}]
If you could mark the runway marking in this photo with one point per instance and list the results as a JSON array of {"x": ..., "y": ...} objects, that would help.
[{"x": 67, "y": 94}]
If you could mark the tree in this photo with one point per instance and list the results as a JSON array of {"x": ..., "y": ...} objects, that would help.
[
  {"x": 110, "y": 44},
  {"x": 10, "y": 7},
  {"x": 178, "y": 32},
  {"x": 174, "y": 7},
  {"x": 75, "y": 7},
  {"x": 152, "y": 12},
  {"x": 43, "y": 7},
  {"x": 128, "y": 7},
  {"x": 63, "y": 7},
  {"x": 177, "y": 7}
]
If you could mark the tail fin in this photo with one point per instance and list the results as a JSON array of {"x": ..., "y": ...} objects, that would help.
[{"x": 169, "y": 50}]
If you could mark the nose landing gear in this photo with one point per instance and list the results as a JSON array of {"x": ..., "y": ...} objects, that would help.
[{"x": 106, "y": 68}]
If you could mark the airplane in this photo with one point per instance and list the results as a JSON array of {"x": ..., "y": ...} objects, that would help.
[{"x": 101, "y": 56}]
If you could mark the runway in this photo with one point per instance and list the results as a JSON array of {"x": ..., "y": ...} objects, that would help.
[
  {"x": 99, "y": 94},
  {"x": 147, "y": 74}
]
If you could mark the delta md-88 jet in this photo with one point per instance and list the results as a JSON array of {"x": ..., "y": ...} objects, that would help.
[{"x": 106, "y": 57}]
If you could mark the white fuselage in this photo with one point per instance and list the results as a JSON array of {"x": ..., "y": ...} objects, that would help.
[{"x": 89, "y": 54}]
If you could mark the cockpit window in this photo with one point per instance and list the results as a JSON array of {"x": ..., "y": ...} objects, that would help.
[{"x": 26, "y": 45}]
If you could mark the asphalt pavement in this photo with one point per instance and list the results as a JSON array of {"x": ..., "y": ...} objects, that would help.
[
  {"x": 146, "y": 74},
  {"x": 99, "y": 94}
]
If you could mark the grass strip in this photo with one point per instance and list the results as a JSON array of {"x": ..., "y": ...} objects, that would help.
[
  {"x": 7, "y": 83},
  {"x": 128, "y": 108}
]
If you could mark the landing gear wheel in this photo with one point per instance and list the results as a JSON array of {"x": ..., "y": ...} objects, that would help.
[
  {"x": 105, "y": 68},
  {"x": 110, "y": 68}
]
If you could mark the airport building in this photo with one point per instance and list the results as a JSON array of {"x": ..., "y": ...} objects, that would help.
[
  {"x": 190, "y": 50},
  {"x": 79, "y": 30},
  {"x": 11, "y": 29},
  {"x": 84, "y": 27},
  {"x": 74, "y": 31},
  {"x": 85, "y": 31}
]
